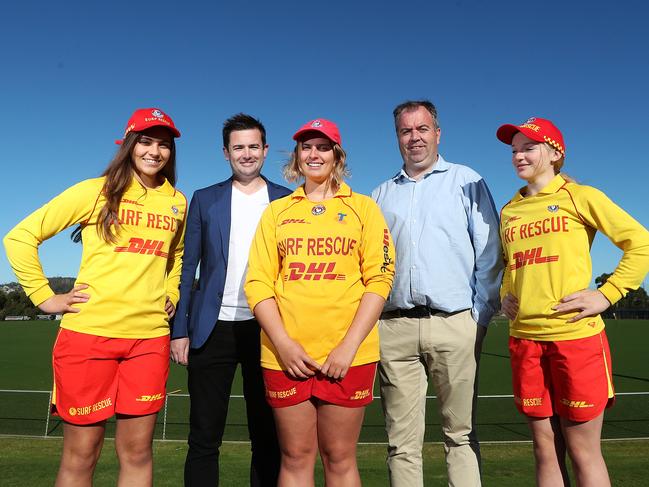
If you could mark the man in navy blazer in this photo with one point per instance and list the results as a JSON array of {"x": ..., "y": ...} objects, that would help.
[{"x": 214, "y": 330}]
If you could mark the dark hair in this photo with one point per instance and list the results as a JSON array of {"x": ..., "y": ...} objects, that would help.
[
  {"x": 119, "y": 175},
  {"x": 241, "y": 121},
  {"x": 412, "y": 105}
]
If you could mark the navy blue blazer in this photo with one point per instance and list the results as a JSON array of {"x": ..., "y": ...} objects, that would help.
[{"x": 207, "y": 238}]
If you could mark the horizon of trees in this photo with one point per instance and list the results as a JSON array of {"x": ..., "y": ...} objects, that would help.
[{"x": 14, "y": 301}]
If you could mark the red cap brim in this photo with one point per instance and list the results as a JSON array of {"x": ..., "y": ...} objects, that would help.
[
  {"x": 311, "y": 132},
  {"x": 506, "y": 133}
]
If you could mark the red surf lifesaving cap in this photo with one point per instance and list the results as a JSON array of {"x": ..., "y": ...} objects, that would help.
[
  {"x": 535, "y": 128},
  {"x": 145, "y": 118},
  {"x": 320, "y": 126}
]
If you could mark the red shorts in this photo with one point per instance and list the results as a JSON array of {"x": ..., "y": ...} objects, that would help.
[
  {"x": 571, "y": 378},
  {"x": 354, "y": 391},
  {"x": 96, "y": 377}
]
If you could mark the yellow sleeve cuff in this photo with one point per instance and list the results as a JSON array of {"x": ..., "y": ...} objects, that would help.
[
  {"x": 173, "y": 297},
  {"x": 611, "y": 293},
  {"x": 381, "y": 288},
  {"x": 256, "y": 292},
  {"x": 42, "y": 294}
]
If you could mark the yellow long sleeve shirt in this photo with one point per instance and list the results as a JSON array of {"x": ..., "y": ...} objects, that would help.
[
  {"x": 129, "y": 280},
  {"x": 317, "y": 260},
  {"x": 546, "y": 242}
]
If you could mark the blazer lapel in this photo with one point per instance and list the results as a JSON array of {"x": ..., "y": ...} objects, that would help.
[{"x": 221, "y": 214}]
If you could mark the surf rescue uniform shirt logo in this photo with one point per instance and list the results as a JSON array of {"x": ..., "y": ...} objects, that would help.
[
  {"x": 288, "y": 221},
  {"x": 142, "y": 246},
  {"x": 314, "y": 272}
]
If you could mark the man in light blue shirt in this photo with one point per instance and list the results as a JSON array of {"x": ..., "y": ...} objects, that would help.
[{"x": 448, "y": 271}]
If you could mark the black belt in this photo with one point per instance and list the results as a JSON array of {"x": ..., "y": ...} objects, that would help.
[{"x": 416, "y": 312}]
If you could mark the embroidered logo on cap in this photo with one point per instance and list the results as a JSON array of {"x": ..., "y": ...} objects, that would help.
[
  {"x": 316, "y": 123},
  {"x": 157, "y": 113}
]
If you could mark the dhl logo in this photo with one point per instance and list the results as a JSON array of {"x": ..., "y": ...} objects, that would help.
[
  {"x": 360, "y": 395},
  {"x": 315, "y": 272},
  {"x": 131, "y": 202},
  {"x": 531, "y": 256},
  {"x": 512, "y": 219},
  {"x": 141, "y": 246},
  {"x": 293, "y": 220},
  {"x": 576, "y": 404},
  {"x": 150, "y": 398}
]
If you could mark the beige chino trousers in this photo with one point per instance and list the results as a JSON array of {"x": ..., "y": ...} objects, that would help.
[{"x": 445, "y": 347}]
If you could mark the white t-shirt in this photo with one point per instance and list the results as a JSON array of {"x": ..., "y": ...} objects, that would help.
[{"x": 245, "y": 214}]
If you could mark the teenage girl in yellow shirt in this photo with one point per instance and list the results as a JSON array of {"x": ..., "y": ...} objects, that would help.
[
  {"x": 561, "y": 363},
  {"x": 112, "y": 352}
]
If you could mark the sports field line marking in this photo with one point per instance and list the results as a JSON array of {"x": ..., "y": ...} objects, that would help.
[
  {"x": 503, "y": 442},
  {"x": 486, "y": 396}
]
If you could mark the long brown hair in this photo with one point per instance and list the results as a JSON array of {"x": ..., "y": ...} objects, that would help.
[{"x": 119, "y": 175}]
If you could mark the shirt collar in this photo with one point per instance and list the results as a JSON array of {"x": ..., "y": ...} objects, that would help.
[
  {"x": 553, "y": 186},
  {"x": 440, "y": 166},
  {"x": 343, "y": 191},
  {"x": 165, "y": 188}
]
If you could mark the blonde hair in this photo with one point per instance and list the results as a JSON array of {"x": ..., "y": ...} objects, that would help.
[
  {"x": 557, "y": 165},
  {"x": 292, "y": 173}
]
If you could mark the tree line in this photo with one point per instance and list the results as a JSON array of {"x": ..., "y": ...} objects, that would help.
[{"x": 14, "y": 302}]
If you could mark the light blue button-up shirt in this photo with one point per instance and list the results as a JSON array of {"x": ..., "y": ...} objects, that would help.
[{"x": 445, "y": 231}]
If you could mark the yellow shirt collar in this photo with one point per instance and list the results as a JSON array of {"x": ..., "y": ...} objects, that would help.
[
  {"x": 553, "y": 186},
  {"x": 343, "y": 191}
]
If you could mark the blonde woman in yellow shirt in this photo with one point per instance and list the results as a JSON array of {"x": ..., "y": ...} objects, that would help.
[
  {"x": 561, "y": 363},
  {"x": 111, "y": 356},
  {"x": 321, "y": 265}
]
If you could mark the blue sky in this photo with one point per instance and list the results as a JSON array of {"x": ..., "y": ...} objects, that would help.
[{"x": 73, "y": 72}]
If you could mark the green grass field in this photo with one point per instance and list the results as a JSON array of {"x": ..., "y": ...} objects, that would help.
[
  {"x": 25, "y": 364},
  {"x": 34, "y": 462}
]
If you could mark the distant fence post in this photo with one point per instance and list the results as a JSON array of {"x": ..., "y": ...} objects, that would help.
[
  {"x": 47, "y": 420},
  {"x": 164, "y": 419}
]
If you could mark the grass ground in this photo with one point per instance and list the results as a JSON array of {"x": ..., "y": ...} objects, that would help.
[
  {"x": 32, "y": 462},
  {"x": 25, "y": 364}
]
